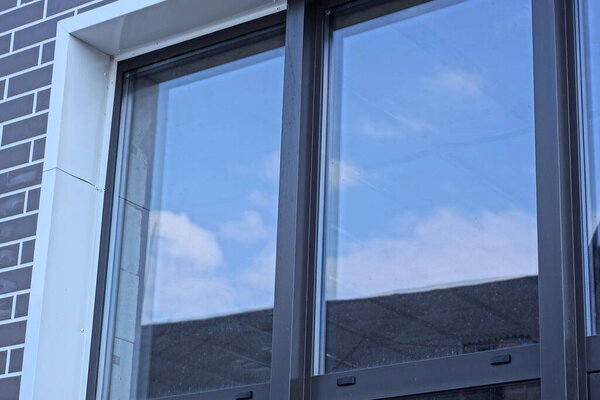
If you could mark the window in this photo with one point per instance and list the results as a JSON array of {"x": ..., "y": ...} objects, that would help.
[
  {"x": 429, "y": 212},
  {"x": 193, "y": 260},
  {"x": 365, "y": 199}
]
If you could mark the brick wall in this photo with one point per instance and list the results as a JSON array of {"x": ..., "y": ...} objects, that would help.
[{"x": 27, "y": 31}]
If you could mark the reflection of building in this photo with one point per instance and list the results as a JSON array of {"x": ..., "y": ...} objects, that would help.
[
  {"x": 518, "y": 391},
  {"x": 361, "y": 333}
]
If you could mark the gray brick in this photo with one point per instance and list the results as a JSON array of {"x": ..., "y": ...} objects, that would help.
[
  {"x": 43, "y": 100},
  {"x": 33, "y": 200},
  {"x": 16, "y": 360},
  {"x": 6, "y": 4},
  {"x": 14, "y": 155},
  {"x": 39, "y": 146},
  {"x": 9, "y": 388},
  {"x": 21, "y": 178},
  {"x": 11, "y": 281},
  {"x": 5, "y": 43},
  {"x": 30, "y": 80},
  {"x": 22, "y": 306},
  {"x": 27, "y": 253},
  {"x": 3, "y": 356},
  {"x": 9, "y": 255},
  {"x": 6, "y": 308},
  {"x": 37, "y": 33},
  {"x": 16, "y": 108},
  {"x": 11, "y": 334},
  {"x": 12, "y": 205},
  {"x": 24, "y": 129},
  {"x": 2, "y": 85},
  {"x": 19, "y": 61},
  {"x": 96, "y": 5},
  {"x": 48, "y": 52},
  {"x": 56, "y": 6},
  {"x": 21, "y": 16},
  {"x": 18, "y": 228}
]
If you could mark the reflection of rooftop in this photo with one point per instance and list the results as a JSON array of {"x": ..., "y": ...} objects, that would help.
[
  {"x": 446, "y": 285},
  {"x": 235, "y": 350},
  {"x": 512, "y": 391}
]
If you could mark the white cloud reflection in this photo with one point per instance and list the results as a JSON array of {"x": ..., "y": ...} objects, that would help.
[
  {"x": 397, "y": 126},
  {"x": 190, "y": 280},
  {"x": 188, "y": 276},
  {"x": 454, "y": 80},
  {"x": 343, "y": 175},
  {"x": 269, "y": 167},
  {"x": 442, "y": 250},
  {"x": 249, "y": 228},
  {"x": 262, "y": 198},
  {"x": 180, "y": 238}
]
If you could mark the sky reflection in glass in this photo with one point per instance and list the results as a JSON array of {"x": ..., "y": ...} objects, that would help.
[
  {"x": 214, "y": 205},
  {"x": 430, "y": 163},
  {"x": 433, "y": 150},
  {"x": 192, "y": 291}
]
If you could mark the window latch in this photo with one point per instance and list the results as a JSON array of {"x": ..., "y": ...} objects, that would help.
[
  {"x": 346, "y": 381},
  {"x": 501, "y": 359},
  {"x": 244, "y": 395}
]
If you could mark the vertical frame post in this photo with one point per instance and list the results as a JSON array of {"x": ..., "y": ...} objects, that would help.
[
  {"x": 562, "y": 363},
  {"x": 291, "y": 365},
  {"x": 573, "y": 46},
  {"x": 103, "y": 259}
]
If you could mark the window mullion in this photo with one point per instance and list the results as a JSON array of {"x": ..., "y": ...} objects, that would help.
[
  {"x": 561, "y": 361},
  {"x": 294, "y": 281}
]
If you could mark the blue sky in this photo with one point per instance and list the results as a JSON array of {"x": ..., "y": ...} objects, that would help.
[
  {"x": 434, "y": 116},
  {"x": 216, "y": 206},
  {"x": 431, "y": 164}
]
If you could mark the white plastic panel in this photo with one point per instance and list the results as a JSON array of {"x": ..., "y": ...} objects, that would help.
[
  {"x": 78, "y": 110},
  {"x": 61, "y": 296},
  {"x": 158, "y": 21}
]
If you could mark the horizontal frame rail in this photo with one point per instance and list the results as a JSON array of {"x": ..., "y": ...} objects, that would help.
[{"x": 434, "y": 375}]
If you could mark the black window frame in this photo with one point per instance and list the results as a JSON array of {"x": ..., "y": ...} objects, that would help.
[{"x": 563, "y": 358}]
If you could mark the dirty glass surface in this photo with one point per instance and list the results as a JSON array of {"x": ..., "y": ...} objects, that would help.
[
  {"x": 193, "y": 266},
  {"x": 514, "y": 391},
  {"x": 429, "y": 237}
]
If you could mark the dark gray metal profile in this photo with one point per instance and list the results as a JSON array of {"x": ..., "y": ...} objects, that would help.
[
  {"x": 442, "y": 374},
  {"x": 561, "y": 360},
  {"x": 258, "y": 392},
  {"x": 295, "y": 275},
  {"x": 109, "y": 193}
]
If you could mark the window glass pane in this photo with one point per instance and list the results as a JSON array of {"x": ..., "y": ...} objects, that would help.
[
  {"x": 515, "y": 391},
  {"x": 590, "y": 64},
  {"x": 194, "y": 243},
  {"x": 429, "y": 205}
]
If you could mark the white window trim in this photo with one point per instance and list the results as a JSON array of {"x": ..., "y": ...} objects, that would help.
[{"x": 88, "y": 47}]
